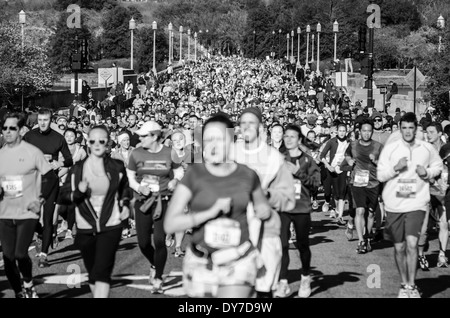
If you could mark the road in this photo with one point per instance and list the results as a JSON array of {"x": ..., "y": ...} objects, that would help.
[{"x": 338, "y": 271}]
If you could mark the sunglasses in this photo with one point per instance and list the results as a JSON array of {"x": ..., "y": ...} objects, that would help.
[
  {"x": 11, "y": 128},
  {"x": 101, "y": 142},
  {"x": 378, "y": 120}
]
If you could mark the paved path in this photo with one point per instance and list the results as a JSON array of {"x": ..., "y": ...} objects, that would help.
[{"x": 338, "y": 270}]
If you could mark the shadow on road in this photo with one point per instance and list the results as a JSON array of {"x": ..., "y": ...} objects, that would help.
[
  {"x": 321, "y": 283},
  {"x": 434, "y": 285}
]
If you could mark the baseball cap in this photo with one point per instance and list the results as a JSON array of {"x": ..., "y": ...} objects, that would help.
[
  {"x": 148, "y": 127},
  {"x": 376, "y": 114},
  {"x": 255, "y": 111}
]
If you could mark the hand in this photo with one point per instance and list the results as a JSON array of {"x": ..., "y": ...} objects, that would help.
[
  {"x": 125, "y": 214},
  {"x": 421, "y": 171},
  {"x": 222, "y": 205},
  {"x": 401, "y": 165},
  {"x": 34, "y": 207},
  {"x": 55, "y": 165},
  {"x": 172, "y": 184},
  {"x": 331, "y": 169},
  {"x": 83, "y": 186},
  {"x": 351, "y": 162},
  {"x": 144, "y": 190},
  {"x": 372, "y": 158}
]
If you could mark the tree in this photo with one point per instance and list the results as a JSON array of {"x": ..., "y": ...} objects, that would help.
[
  {"x": 29, "y": 71},
  {"x": 145, "y": 48},
  {"x": 86, "y": 4}
]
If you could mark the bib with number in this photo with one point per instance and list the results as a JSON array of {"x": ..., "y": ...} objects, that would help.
[
  {"x": 361, "y": 178},
  {"x": 151, "y": 182},
  {"x": 97, "y": 202},
  {"x": 297, "y": 188},
  {"x": 222, "y": 233},
  {"x": 406, "y": 188},
  {"x": 12, "y": 186}
]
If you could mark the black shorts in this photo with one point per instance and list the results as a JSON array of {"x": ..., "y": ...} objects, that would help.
[
  {"x": 365, "y": 197},
  {"x": 400, "y": 225}
]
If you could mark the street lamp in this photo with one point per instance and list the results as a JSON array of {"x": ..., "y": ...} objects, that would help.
[
  {"x": 308, "y": 30},
  {"x": 279, "y": 43},
  {"x": 154, "y": 27},
  {"x": 335, "y": 31},
  {"x": 254, "y": 42},
  {"x": 132, "y": 26},
  {"x": 287, "y": 40},
  {"x": 195, "y": 42},
  {"x": 441, "y": 26},
  {"x": 22, "y": 21},
  {"x": 383, "y": 91},
  {"x": 319, "y": 29},
  {"x": 273, "y": 44},
  {"x": 298, "y": 44},
  {"x": 181, "y": 41},
  {"x": 189, "y": 43},
  {"x": 312, "y": 47},
  {"x": 170, "y": 42},
  {"x": 292, "y": 44}
]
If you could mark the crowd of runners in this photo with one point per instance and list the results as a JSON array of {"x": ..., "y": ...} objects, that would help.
[{"x": 230, "y": 154}]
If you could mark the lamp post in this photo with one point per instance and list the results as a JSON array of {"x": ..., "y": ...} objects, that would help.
[
  {"x": 181, "y": 41},
  {"x": 312, "y": 47},
  {"x": 319, "y": 29},
  {"x": 195, "y": 46},
  {"x": 132, "y": 26},
  {"x": 383, "y": 91},
  {"x": 287, "y": 41},
  {"x": 441, "y": 26},
  {"x": 298, "y": 44},
  {"x": 335, "y": 31},
  {"x": 189, "y": 44},
  {"x": 22, "y": 20},
  {"x": 207, "y": 39},
  {"x": 254, "y": 42},
  {"x": 170, "y": 42},
  {"x": 292, "y": 44},
  {"x": 154, "y": 27},
  {"x": 279, "y": 43},
  {"x": 273, "y": 45},
  {"x": 308, "y": 30}
]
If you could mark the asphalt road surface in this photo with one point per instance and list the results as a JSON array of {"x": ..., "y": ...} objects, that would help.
[{"x": 338, "y": 271}]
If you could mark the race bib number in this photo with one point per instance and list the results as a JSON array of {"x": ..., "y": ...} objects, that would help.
[
  {"x": 151, "y": 182},
  {"x": 97, "y": 202},
  {"x": 222, "y": 233},
  {"x": 297, "y": 189},
  {"x": 12, "y": 186},
  {"x": 361, "y": 178},
  {"x": 406, "y": 188}
]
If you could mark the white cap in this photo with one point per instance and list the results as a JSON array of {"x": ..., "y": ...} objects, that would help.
[{"x": 148, "y": 127}]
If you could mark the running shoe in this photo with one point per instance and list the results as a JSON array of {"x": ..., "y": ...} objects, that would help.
[
  {"x": 133, "y": 224},
  {"x": 423, "y": 263},
  {"x": 151, "y": 276},
  {"x": 283, "y": 289},
  {"x": 178, "y": 252},
  {"x": 325, "y": 207},
  {"x": 315, "y": 205},
  {"x": 30, "y": 292},
  {"x": 442, "y": 261},
  {"x": 340, "y": 221},
  {"x": 333, "y": 214},
  {"x": 169, "y": 240},
  {"x": 414, "y": 292},
  {"x": 404, "y": 291},
  {"x": 349, "y": 232},
  {"x": 305, "y": 287},
  {"x": 157, "y": 286},
  {"x": 362, "y": 248},
  {"x": 68, "y": 235},
  {"x": 43, "y": 262},
  {"x": 126, "y": 233}
]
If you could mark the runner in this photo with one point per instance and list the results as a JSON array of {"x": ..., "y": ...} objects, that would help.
[
  {"x": 406, "y": 165},
  {"x": 363, "y": 155},
  {"x": 306, "y": 177},
  {"x": 21, "y": 200},
  {"x": 98, "y": 186},
  {"x": 221, "y": 261},
  {"x": 153, "y": 176},
  {"x": 51, "y": 144}
]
